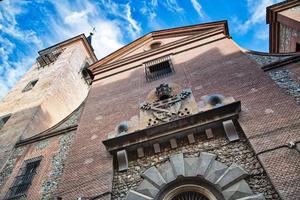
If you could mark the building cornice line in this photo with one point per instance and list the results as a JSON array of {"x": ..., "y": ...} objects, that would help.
[
  {"x": 187, "y": 29},
  {"x": 166, "y": 47},
  {"x": 139, "y": 65},
  {"x": 45, "y": 136},
  {"x": 281, "y": 63}
]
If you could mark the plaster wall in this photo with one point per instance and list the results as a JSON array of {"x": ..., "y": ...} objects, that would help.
[
  {"x": 59, "y": 91},
  {"x": 288, "y": 37}
]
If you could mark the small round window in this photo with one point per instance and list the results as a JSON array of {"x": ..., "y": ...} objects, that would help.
[{"x": 155, "y": 45}]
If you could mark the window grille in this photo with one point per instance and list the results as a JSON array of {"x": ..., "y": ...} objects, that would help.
[
  {"x": 48, "y": 56},
  {"x": 3, "y": 120},
  {"x": 30, "y": 85},
  {"x": 158, "y": 68},
  {"x": 23, "y": 180}
]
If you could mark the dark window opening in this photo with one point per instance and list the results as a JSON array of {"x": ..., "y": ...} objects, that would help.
[
  {"x": 3, "y": 120},
  {"x": 48, "y": 56},
  {"x": 30, "y": 85},
  {"x": 23, "y": 180},
  {"x": 87, "y": 74},
  {"x": 297, "y": 47},
  {"x": 155, "y": 45},
  {"x": 158, "y": 69}
]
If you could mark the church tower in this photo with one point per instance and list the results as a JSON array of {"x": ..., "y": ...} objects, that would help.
[{"x": 54, "y": 87}]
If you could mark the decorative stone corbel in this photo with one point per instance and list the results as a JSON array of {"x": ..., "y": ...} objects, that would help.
[{"x": 122, "y": 160}]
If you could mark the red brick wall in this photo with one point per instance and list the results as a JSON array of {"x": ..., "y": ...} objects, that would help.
[
  {"x": 218, "y": 67},
  {"x": 32, "y": 151}
]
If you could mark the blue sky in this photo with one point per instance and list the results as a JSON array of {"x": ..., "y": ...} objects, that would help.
[{"x": 29, "y": 26}]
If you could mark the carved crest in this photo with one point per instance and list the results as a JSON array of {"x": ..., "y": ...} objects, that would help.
[{"x": 168, "y": 105}]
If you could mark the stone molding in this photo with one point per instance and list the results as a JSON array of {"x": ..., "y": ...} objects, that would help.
[{"x": 228, "y": 181}]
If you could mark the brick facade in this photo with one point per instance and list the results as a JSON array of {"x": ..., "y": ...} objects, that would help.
[{"x": 76, "y": 164}]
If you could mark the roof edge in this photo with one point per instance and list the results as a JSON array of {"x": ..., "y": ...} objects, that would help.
[
  {"x": 272, "y": 10},
  {"x": 73, "y": 39},
  {"x": 164, "y": 32}
]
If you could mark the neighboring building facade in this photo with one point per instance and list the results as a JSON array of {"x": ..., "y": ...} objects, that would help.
[
  {"x": 182, "y": 113},
  {"x": 284, "y": 21},
  {"x": 36, "y": 112}
]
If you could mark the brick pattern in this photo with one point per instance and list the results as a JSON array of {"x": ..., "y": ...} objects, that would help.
[
  {"x": 283, "y": 168},
  {"x": 218, "y": 67},
  {"x": 47, "y": 170},
  {"x": 276, "y": 138}
]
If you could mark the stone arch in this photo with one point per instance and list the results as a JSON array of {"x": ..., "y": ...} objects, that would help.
[{"x": 228, "y": 182}]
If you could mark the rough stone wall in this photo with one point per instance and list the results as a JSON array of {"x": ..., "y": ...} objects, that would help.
[
  {"x": 283, "y": 78},
  {"x": 54, "y": 151},
  {"x": 7, "y": 170},
  {"x": 238, "y": 152},
  {"x": 286, "y": 34},
  {"x": 265, "y": 59},
  {"x": 50, "y": 184}
]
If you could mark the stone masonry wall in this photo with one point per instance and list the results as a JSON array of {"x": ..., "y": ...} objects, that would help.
[
  {"x": 266, "y": 59},
  {"x": 283, "y": 78},
  {"x": 54, "y": 152},
  {"x": 236, "y": 152},
  {"x": 286, "y": 35}
]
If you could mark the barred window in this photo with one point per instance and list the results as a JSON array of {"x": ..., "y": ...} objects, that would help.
[
  {"x": 30, "y": 85},
  {"x": 48, "y": 56},
  {"x": 158, "y": 68},
  {"x": 3, "y": 120},
  {"x": 23, "y": 180}
]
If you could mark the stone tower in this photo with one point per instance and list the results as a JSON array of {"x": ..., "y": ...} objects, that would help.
[
  {"x": 284, "y": 22},
  {"x": 53, "y": 88}
]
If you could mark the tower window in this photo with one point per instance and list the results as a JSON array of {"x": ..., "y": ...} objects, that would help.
[
  {"x": 48, "y": 56},
  {"x": 3, "y": 120},
  {"x": 30, "y": 85},
  {"x": 297, "y": 47},
  {"x": 158, "y": 68},
  {"x": 87, "y": 75},
  {"x": 23, "y": 180}
]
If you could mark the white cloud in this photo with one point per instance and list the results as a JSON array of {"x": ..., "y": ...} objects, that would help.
[
  {"x": 135, "y": 27},
  {"x": 122, "y": 14},
  {"x": 81, "y": 17},
  {"x": 257, "y": 15},
  {"x": 68, "y": 19},
  {"x": 10, "y": 70},
  {"x": 197, "y": 6},
  {"x": 173, "y": 6}
]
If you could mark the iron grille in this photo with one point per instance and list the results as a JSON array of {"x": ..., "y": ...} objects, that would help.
[
  {"x": 48, "y": 56},
  {"x": 190, "y": 196},
  {"x": 158, "y": 68},
  {"x": 23, "y": 180}
]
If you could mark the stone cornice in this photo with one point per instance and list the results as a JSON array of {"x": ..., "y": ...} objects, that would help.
[
  {"x": 144, "y": 55},
  {"x": 281, "y": 63},
  {"x": 82, "y": 37},
  {"x": 187, "y": 30},
  {"x": 176, "y": 128}
]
